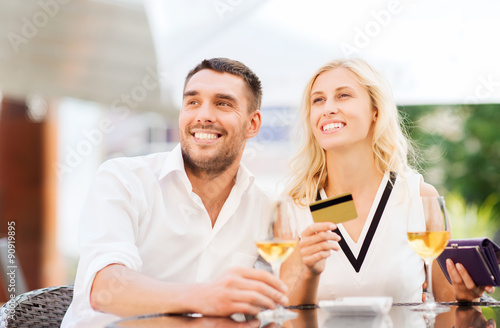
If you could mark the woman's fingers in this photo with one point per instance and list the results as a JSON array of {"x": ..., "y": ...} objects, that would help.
[
  {"x": 466, "y": 278},
  {"x": 318, "y": 227},
  {"x": 319, "y": 238},
  {"x": 317, "y": 242},
  {"x": 319, "y": 232},
  {"x": 464, "y": 286}
]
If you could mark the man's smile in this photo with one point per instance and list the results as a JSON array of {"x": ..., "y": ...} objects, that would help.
[{"x": 206, "y": 136}]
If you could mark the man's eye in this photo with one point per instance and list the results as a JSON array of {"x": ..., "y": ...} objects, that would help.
[{"x": 223, "y": 104}]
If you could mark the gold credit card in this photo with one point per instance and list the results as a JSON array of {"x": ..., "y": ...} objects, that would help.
[{"x": 335, "y": 209}]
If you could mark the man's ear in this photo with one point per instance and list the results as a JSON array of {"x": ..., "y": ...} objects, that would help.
[{"x": 255, "y": 123}]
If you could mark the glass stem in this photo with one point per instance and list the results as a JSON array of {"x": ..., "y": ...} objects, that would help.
[
  {"x": 430, "y": 294},
  {"x": 276, "y": 267}
]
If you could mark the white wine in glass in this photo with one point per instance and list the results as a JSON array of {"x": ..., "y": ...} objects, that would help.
[
  {"x": 277, "y": 244},
  {"x": 428, "y": 237},
  {"x": 276, "y": 251}
]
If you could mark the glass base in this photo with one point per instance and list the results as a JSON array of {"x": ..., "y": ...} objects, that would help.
[
  {"x": 431, "y": 307},
  {"x": 277, "y": 315}
]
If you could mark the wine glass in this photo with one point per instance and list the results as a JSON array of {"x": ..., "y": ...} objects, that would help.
[
  {"x": 428, "y": 237},
  {"x": 277, "y": 244}
]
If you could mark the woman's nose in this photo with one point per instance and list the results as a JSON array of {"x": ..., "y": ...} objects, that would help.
[{"x": 330, "y": 108}]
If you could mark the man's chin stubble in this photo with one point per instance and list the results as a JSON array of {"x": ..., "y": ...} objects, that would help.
[{"x": 208, "y": 168}]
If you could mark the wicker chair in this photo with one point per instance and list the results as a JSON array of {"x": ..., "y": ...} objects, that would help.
[{"x": 38, "y": 308}]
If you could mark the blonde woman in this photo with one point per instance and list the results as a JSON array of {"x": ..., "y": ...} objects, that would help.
[{"x": 352, "y": 142}]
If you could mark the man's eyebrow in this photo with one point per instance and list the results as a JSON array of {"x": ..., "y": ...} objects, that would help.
[
  {"x": 226, "y": 96},
  {"x": 190, "y": 93},
  {"x": 218, "y": 95}
]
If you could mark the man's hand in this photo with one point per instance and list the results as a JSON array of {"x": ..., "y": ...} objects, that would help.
[
  {"x": 124, "y": 292},
  {"x": 239, "y": 290},
  {"x": 317, "y": 240},
  {"x": 463, "y": 285}
]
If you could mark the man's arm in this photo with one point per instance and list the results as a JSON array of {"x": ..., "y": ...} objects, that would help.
[{"x": 124, "y": 292}]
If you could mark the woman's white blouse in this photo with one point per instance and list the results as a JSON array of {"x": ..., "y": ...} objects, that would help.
[{"x": 390, "y": 267}]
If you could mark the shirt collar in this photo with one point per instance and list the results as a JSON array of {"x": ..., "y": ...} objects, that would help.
[
  {"x": 174, "y": 162},
  {"x": 244, "y": 179}
]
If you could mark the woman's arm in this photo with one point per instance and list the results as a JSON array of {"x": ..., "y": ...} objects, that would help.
[
  {"x": 443, "y": 290},
  {"x": 301, "y": 272},
  {"x": 462, "y": 288}
]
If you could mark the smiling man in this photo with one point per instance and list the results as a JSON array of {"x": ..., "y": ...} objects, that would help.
[{"x": 175, "y": 232}]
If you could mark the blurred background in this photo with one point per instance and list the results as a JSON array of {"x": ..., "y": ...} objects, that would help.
[{"x": 83, "y": 81}]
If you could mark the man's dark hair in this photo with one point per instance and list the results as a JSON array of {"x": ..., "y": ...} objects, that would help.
[{"x": 234, "y": 67}]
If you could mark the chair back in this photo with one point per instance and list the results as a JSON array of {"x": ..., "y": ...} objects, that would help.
[{"x": 38, "y": 308}]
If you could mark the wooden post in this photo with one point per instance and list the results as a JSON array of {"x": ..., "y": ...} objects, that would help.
[{"x": 28, "y": 192}]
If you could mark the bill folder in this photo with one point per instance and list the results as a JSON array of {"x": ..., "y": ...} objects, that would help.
[{"x": 478, "y": 255}]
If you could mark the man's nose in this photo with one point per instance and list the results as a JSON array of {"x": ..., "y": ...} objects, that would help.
[{"x": 206, "y": 114}]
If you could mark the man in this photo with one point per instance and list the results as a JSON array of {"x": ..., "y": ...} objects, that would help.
[{"x": 175, "y": 232}]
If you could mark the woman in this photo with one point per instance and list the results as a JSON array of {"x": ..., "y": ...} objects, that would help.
[{"x": 352, "y": 141}]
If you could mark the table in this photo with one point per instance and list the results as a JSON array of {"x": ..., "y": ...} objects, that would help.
[{"x": 466, "y": 315}]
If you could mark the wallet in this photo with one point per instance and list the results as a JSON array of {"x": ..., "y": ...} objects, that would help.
[{"x": 478, "y": 255}]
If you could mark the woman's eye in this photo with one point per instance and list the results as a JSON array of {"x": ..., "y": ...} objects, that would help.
[
  {"x": 344, "y": 95},
  {"x": 316, "y": 100}
]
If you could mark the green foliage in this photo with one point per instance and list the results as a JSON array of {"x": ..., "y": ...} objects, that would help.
[
  {"x": 475, "y": 220},
  {"x": 489, "y": 313},
  {"x": 459, "y": 146},
  {"x": 460, "y": 149}
]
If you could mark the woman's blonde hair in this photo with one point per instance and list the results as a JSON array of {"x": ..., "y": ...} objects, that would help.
[{"x": 390, "y": 145}]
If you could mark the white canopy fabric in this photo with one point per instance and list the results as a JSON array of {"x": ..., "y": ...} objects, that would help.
[
  {"x": 431, "y": 51},
  {"x": 94, "y": 50}
]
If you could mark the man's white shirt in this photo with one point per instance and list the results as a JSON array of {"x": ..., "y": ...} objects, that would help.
[{"x": 141, "y": 212}]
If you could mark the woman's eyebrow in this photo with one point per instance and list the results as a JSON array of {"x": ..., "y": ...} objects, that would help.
[
  {"x": 336, "y": 90},
  {"x": 344, "y": 87}
]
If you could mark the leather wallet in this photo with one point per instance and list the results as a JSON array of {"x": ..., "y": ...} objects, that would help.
[{"x": 478, "y": 255}]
